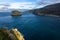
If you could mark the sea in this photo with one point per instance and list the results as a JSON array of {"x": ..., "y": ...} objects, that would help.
[{"x": 33, "y": 27}]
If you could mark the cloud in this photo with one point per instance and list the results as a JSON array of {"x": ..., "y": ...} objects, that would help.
[
  {"x": 10, "y": 1},
  {"x": 21, "y": 5},
  {"x": 18, "y": 5},
  {"x": 48, "y": 1}
]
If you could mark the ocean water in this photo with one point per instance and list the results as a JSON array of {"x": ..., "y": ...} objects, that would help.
[{"x": 33, "y": 27}]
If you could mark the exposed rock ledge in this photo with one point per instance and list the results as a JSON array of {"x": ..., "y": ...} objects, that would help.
[{"x": 12, "y": 34}]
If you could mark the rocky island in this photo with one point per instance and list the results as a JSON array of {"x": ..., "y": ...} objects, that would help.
[
  {"x": 51, "y": 10},
  {"x": 12, "y": 34},
  {"x": 16, "y": 13}
]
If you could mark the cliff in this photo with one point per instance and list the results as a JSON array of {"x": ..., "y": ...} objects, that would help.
[
  {"x": 53, "y": 9},
  {"x": 12, "y": 34}
]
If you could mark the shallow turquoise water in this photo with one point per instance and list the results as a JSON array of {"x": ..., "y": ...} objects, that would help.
[{"x": 33, "y": 27}]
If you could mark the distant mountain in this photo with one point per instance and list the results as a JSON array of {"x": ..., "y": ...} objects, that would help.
[{"x": 53, "y": 9}]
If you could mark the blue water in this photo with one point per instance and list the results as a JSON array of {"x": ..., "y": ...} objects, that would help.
[{"x": 33, "y": 27}]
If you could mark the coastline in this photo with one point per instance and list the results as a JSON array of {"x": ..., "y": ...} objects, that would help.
[
  {"x": 48, "y": 15},
  {"x": 10, "y": 34}
]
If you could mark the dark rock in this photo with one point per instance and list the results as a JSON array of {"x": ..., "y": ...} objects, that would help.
[
  {"x": 16, "y": 13},
  {"x": 53, "y": 9}
]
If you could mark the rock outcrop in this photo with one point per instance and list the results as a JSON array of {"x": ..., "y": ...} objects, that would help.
[
  {"x": 16, "y": 13},
  {"x": 12, "y": 34}
]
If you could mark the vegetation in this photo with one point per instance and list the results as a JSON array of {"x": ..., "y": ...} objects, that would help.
[
  {"x": 16, "y": 13},
  {"x": 0, "y": 37},
  {"x": 53, "y": 9},
  {"x": 12, "y": 34},
  {"x": 3, "y": 34}
]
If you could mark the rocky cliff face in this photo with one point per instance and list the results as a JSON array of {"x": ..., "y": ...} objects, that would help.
[
  {"x": 12, "y": 34},
  {"x": 53, "y": 9}
]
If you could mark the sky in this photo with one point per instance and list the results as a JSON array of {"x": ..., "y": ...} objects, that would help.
[{"x": 25, "y": 4}]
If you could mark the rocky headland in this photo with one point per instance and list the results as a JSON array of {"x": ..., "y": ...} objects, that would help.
[
  {"x": 12, "y": 34},
  {"x": 51, "y": 10}
]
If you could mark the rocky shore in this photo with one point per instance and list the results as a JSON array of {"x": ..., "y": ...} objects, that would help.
[
  {"x": 12, "y": 34},
  {"x": 49, "y": 10}
]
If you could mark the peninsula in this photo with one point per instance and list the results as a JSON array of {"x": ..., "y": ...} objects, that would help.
[{"x": 52, "y": 10}]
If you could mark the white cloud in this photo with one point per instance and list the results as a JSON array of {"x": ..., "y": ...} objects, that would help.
[
  {"x": 25, "y": 5},
  {"x": 48, "y": 1},
  {"x": 1, "y": 7},
  {"x": 16, "y": 5},
  {"x": 21, "y": 5}
]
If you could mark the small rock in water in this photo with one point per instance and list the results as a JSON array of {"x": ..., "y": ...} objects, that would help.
[{"x": 16, "y": 13}]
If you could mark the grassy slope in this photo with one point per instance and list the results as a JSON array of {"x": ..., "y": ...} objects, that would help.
[
  {"x": 3, "y": 35},
  {"x": 0, "y": 37}
]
